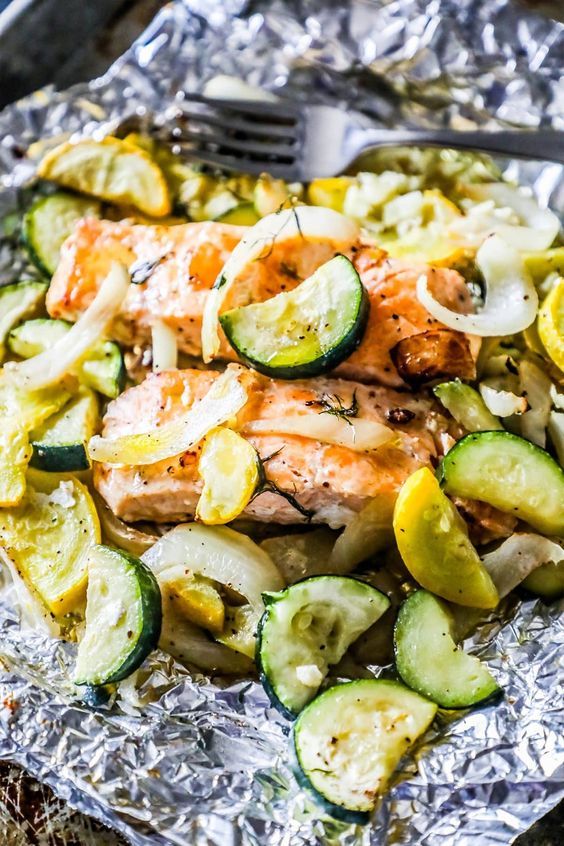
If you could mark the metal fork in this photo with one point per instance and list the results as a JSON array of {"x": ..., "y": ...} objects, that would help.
[{"x": 300, "y": 143}]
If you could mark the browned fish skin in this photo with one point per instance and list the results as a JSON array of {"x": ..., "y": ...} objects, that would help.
[
  {"x": 332, "y": 481},
  {"x": 188, "y": 259}
]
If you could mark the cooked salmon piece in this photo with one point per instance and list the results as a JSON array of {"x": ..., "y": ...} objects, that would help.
[
  {"x": 332, "y": 482},
  {"x": 175, "y": 266}
]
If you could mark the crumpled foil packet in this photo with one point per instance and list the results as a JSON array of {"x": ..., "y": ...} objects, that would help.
[{"x": 186, "y": 760}]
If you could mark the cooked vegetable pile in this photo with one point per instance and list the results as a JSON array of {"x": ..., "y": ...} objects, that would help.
[{"x": 201, "y": 367}]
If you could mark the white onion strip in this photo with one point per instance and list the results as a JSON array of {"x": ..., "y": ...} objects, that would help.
[
  {"x": 369, "y": 531},
  {"x": 52, "y": 364},
  {"x": 218, "y": 553},
  {"x": 502, "y": 403},
  {"x": 556, "y": 432},
  {"x": 227, "y": 557},
  {"x": 120, "y": 534},
  {"x": 519, "y": 555},
  {"x": 539, "y": 227},
  {"x": 360, "y": 435},
  {"x": 164, "y": 347},
  {"x": 304, "y": 222},
  {"x": 511, "y": 298},
  {"x": 224, "y": 400}
]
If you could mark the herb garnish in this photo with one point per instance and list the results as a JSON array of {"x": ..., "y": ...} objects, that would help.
[
  {"x": 266, "y": 484},
  {"x": 333, "y": 404},
  {"x": 141, "y": 269}
]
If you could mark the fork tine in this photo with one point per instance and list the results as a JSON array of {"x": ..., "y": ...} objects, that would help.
[
  {"x": 282, "y": 110},
  {"x": 280, "y": 171},
  {"x": 251, "y": 147},
  {"x": 273, "y": 130}
]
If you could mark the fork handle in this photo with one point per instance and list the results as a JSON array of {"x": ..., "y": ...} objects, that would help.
[{"x": 531, "y": 144}]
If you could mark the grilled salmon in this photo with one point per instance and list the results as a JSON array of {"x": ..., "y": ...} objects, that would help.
[
  {"x": 332, "y": 482},
  {"x": 175, "y": 266}
]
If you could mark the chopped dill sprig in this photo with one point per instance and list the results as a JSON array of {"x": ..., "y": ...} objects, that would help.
[
  {"x": 267, "y": 484},
  {"x": 272, "y": 487},
  {"x": 333, "y": 404}
]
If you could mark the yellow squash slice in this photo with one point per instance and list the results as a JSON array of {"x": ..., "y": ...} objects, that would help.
[
  {"x": 433, "y": 541},
  {"x": 196, "y": 598},
  {"x": 551, "y": 324},
  {"x": 21, "y": 411},
  {"x": 111, "y": 170},
  {"x": 48, "y": 537},
  {"x": 231, "y": 471}
]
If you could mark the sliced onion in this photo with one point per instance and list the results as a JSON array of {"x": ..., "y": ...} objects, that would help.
[
  {"x": 33, "y": 612},
  {"x": 164, "y": 346},
  {"x": 303, "y": 223},
  {"x": 224, "y": 400},
  {"x": 298, "y": 556},
  {"x": 368, "y": 532},
  {"x": 539, "y": 227},
  {"x": 360, "y": 435},
  {"x": 218, "y": 553},
  {"x": 511, "y": 298},
  {"x": 227, "y": 557},
  {"x": 120, "y": 534},
  {"x": 557, "y": 398},
  {"x": 502, "y": 403},
  {"x": 556, "y": 432},
  {"x": 536, "y": 386},
  {"x": 54, "y": 363},
  {"x": 519, "y": 555}
]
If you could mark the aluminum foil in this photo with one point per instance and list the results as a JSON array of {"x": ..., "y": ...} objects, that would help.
[{"x": 189, "y": 760}]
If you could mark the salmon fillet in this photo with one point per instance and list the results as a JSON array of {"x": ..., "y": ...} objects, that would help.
[
  {"x": 181, "y": 263},
  {"x": 333, "y": 482}
]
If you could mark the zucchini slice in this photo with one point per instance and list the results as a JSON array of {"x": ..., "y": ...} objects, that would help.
[
  {"x": 350, "y": 739},
  {"x": 48, "y": 536},
  {"x": 48, "y": 224},
  {"x": 18, "y": 301},
  {"x": 110, "y": 169},
  {"x": 509, "y": 473},
  {"x": 433, "y": 542},
  {"x": 466, "y": 406},
  {"x": 231, "y": 471},
  {"x": 123, "y": 617},
  {"x": 59, "y": 444},
  {"x": 308, "y": 627},
  {"x": 429, "y": 662},
  {"x": 304, "y": 332},
  {"x": 102, "y": 370}
]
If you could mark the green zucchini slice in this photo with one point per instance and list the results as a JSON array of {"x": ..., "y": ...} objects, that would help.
[
  {"x": 123, "y": 617},
  {"x": 49, "y": 222},
  {"x": 17, "y": 302},
  {"x": 466, "y": 406},
  {"x": 308, "y": 627},
  {"x": 429, "y": 662},
  {"x": 350, "y": 739},
  {"x": 102, "y": 369},
  {"x": 509, "y": 473},
  {"x": 59, "y": 444},
  {"x": 304, "y": 332}
]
